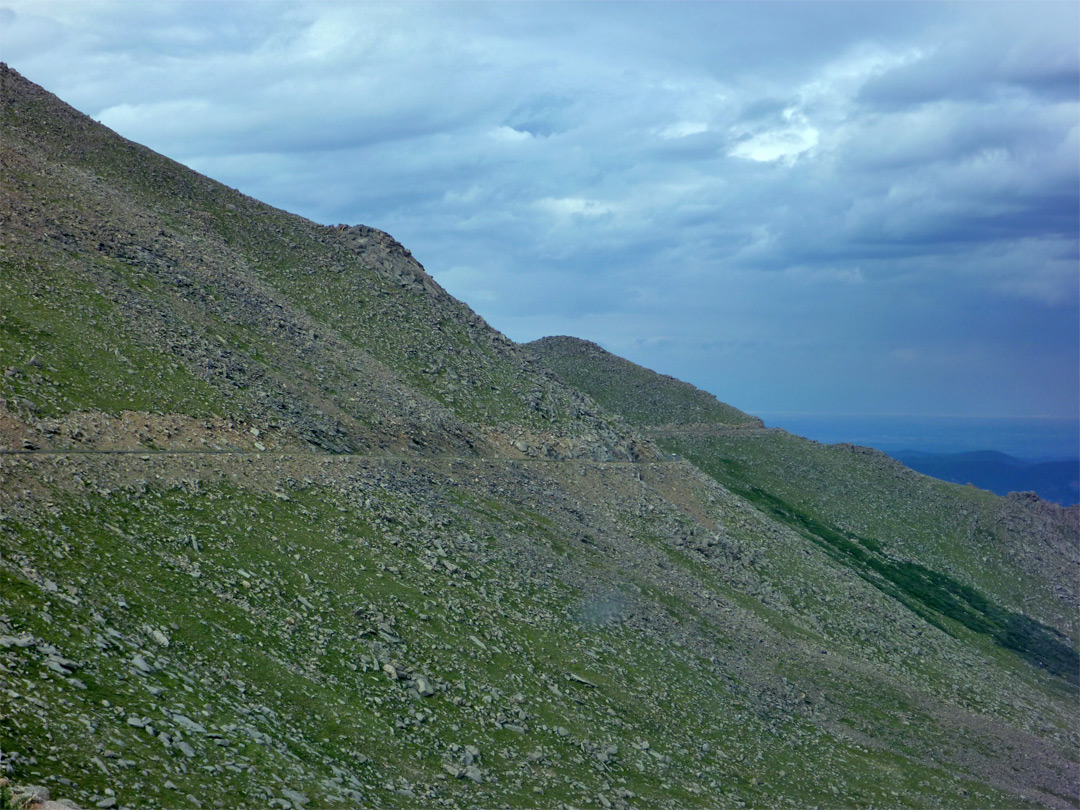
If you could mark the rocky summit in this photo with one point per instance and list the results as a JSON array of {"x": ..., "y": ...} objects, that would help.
[{"x": 284, "y": 525}]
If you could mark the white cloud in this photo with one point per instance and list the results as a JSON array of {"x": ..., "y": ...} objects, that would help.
[
  {"x": 567, "y": 207},
  {"x": 683, "y": 129},
  {"x": 507, "y": 134},
  {"x": 782, "y": 144}
]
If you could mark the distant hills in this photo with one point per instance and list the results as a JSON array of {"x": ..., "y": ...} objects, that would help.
[{"x": 1057, "y": 481}]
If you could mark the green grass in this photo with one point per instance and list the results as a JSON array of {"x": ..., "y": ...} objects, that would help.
[
  {"x": 71, "y": 351},
  {"x": 639, "y": 395},
  {"x": 931, "y": 594},
  {"x": 326, "y": 542}
]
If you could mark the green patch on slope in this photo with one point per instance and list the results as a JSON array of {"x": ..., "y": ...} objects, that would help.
[{"x": 929, "y": 593}]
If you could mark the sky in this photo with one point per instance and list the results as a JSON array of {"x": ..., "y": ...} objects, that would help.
[{"x": 817, "y": 208}]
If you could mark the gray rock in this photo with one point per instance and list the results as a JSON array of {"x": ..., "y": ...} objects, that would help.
[
  {"x": 30, "y": 793},
  {"x": 608, "y": 754},
  {"x": 297, "y": 799},
  {"x": 188, "y": 724},
  {"x": 573, "y": 676},
  {"x": 424, "y": 687},
  {"x": 57, "y": 667},
  {"x": 23, "y": 640}
]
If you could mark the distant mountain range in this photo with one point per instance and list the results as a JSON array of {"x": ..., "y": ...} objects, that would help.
[{"x": 1057, "y": 481}]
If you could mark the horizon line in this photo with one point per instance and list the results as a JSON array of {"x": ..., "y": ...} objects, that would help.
[{"x": 1047, "y": 417}]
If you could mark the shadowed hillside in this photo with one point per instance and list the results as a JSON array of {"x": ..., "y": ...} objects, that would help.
[{"x": 282, "y": 524}]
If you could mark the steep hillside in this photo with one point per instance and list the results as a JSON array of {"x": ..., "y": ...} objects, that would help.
[
  {"x": 131, "y": 282},
  {"x": 282, "y": 524},
  {"x": 994, "y": 570},
  {"x": 642, "y": 396}
]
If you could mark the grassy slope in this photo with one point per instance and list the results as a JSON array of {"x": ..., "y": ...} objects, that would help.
[
  {"x": 994, "y": 572},
  {"x": 961, "y": 531},
  {"x": 642, "y": 396},
  {"x": 849, "y": 493},
  {"x": 275, "y": 593}
]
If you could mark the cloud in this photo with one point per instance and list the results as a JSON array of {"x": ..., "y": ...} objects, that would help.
[
  {"x": 784, "y": 143},
  {"x": 682, "y": 129},
  {"x": 785, "y": 193},
  {"x": 569, "y": 207},
  {"x": 1006, "y": 49}
]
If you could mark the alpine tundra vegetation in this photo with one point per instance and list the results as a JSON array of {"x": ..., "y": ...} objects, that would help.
[{"x": 283, "y": 524}]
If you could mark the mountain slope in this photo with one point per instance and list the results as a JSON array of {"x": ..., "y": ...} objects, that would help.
[
  {"x": 230, "y": 306},
  {"x": 1003, "y": 570},
  {"x": 642, "y": 396},
  {"x": 958, "y": 530},
  {"x": 283, "y": 524}
]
